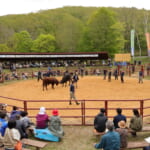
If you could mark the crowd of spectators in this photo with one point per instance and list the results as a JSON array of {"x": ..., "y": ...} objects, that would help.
[
  {"x": 15, "y": 125},
  {"x": 115, "y": 132}
]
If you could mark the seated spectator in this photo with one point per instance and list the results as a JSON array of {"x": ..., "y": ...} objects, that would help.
[
  {"x": 26, "y": 121},
  {"x": 136, "y": 122},
  {"x": 118, "y": 117},
  {"x": 14, "y": 112},
  {"x": 3, "y": 123},
  {"x": 123, "y": 131},
  {"x": 42, "y": 119},
  {"x": 55, "y": 124},
  {"x": 20, "y": 127},
  {"x": 100, "y": 121},
  {"x": 3, "y": 108},
  {"x": 110, "y": 140},
  {"x": 12, "y": 136}
]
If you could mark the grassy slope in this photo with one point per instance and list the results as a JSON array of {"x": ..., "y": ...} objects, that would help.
[{"x": 82, "y": 138}]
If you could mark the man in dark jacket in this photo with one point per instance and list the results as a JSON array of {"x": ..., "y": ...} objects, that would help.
[
  {"x": 100, "y": 121},
  {"x": 118, "y": 117}
]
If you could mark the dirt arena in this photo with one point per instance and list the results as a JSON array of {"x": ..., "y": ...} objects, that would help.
[{"x": 89, "y": 88}]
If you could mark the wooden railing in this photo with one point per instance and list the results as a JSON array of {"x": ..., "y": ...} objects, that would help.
[{"x": 86, "y": 111}]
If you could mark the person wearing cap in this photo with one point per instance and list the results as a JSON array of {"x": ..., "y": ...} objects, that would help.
[
  {"x": 100, "y": 121},
  {"x": 55, "y": 125},
  {"x": 118, "y": 117},
  {"x": 42, "y": 119},
  {"x": 123, "y": 131},
  {"x": 110, "y": 140}
]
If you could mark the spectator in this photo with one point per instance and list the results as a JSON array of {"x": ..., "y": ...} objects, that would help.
[
  {"x": 110, "y": 140},
  {"x": 12, "y": 136},
  {"x": 25, "y": 121},
  {"x": 123, "y": 131},
  {"x": 20, "y": 127},
  {"x": 100, "y": 121},
  {"x": 55, "y": 124},
  {"x": 42, "y": 119},
  {"x": 14, "y": 112},
  {"x": 3, "y": 123},
  {"x": 118, "y": 117},
  {"x": 136, "y": 122}
]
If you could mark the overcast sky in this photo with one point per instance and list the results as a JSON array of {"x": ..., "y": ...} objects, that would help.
[{"x": 27, "y": 6}]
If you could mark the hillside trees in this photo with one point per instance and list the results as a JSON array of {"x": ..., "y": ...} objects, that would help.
[
  {"x": 103, "y": 33},
  {"x": 22, "y": 42},
  {"x": 44, "y": 43}
]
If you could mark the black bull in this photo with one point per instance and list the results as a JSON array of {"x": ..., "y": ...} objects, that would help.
[{"x": 65, "y": 79}]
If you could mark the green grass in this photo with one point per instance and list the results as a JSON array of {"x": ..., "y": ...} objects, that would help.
[{"x": 82, "y": 138}]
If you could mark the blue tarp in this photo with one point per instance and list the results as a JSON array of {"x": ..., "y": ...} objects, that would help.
[{"x": 45, "y": 134}]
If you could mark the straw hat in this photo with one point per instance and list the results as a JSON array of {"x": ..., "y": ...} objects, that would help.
[{"x": 122, "y": 124}]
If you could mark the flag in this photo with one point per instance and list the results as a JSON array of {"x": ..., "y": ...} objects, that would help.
[
  {"x": 132, "y": 42},
  {"x": 148, "y": 42}
]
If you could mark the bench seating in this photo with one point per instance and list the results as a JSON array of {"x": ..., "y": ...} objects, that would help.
[
  {"x": 34, "y": 143},
  {"x": 137, "y": 145},
  {"x": 1, "y": 148},
  {"x": 145, "y": 129}
]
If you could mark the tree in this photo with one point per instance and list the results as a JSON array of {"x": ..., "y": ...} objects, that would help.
[
  {"x": 103, "y": 33},
  {"x": 44, "y": 43},
  {"x": 22, "y": 42},
  {"x": 4, "y": 48}
]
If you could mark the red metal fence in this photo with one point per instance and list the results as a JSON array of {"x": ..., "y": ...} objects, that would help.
[{"x": 82, "y": 114}]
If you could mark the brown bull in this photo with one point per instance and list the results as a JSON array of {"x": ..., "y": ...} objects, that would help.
[{"x": 49, "y": 80}]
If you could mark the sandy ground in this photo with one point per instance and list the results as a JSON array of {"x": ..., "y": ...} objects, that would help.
[{"x": 89, "y": 88}]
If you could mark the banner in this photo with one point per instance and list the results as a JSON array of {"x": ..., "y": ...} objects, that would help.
[
  {"x": 148, "y": 42},
  {"x": 132, "y": 42}
]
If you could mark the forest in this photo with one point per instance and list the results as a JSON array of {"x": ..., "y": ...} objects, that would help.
[{"x": 76, "y": 29}]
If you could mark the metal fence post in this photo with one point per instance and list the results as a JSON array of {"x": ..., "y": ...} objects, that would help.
[
  {"x": 25, "y": 105},
  {"x": 106, "y": 107},
  {"x": 83, "y": 111},
  {"x": 141, "y": 107}
]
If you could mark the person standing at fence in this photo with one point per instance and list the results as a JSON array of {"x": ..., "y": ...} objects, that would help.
[
  {"x": 75, "y": 78},
  {"x": 116, "y": 74},
  {"x": 109, "y": 76},
  {"x": 110, "y": 140},
  {"x": 72, "y": 93},
  {"x": 105, "y": 73},
  {"x": 118, "y": 117},
  {"x": 122, "y": 76},
  {"x": 136, "y": 122},
  {"x": 140, "y": 76},
  {"x": 100, "y": 121},
  {"x": 39, "y": 75}
]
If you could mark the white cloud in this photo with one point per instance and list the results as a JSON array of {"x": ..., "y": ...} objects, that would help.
[{"x": 27, "y": 6}]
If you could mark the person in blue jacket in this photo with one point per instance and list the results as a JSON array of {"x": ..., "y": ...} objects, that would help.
[
  {"x": 3, "y": 123},
  {"x": 110, "y": 140}
]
